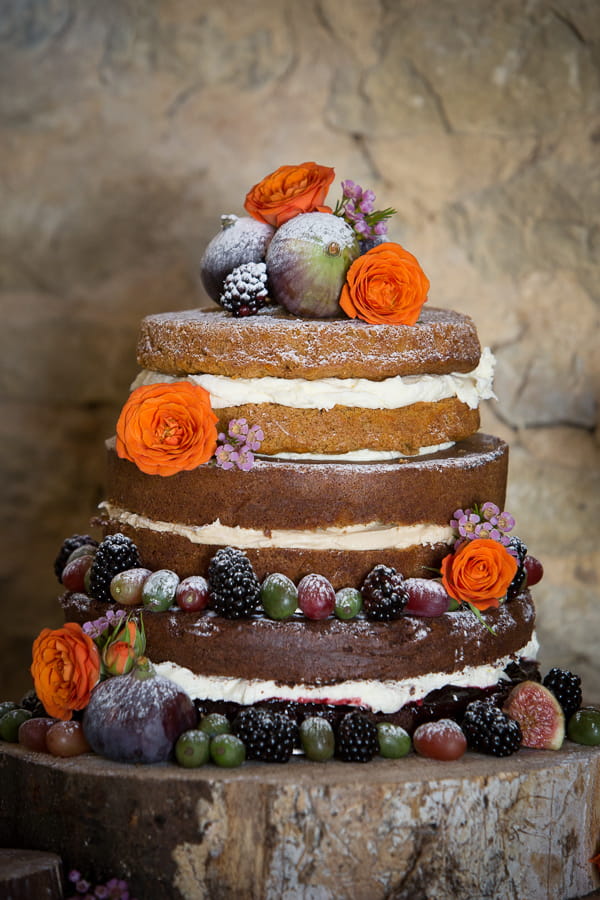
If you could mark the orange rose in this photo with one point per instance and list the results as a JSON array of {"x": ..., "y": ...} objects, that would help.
[
  {"x": 288, "y": 191},
  {"x": 479, "y": 572},
  {"x": 386, "y": 285},
  {"x": 65, "y": 668},
  {"x": 122, "y": 650},
  {"x": 167, "y": 428}
]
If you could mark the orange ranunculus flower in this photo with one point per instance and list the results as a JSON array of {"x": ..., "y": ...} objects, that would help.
[
  {"x": 288, "y": 191},
  {"x": 479, "y": 572},
  {"x": 167, "y": 428},
  {"x": 65, "y": 668},
  {"x": 386, "y": 285}
]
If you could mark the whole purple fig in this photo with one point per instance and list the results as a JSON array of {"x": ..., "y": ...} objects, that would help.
[
  {"x": 240, "y": 240},
  {"x": 307, "y": 261},
  {"x": 137, "y": 717}
]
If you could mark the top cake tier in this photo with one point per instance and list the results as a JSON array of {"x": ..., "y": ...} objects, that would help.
[
  {"x": 328, "y": 387},
  {"x": 274, "y": 343}
]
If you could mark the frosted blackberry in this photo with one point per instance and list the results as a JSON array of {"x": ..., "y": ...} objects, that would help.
[
  {"x": 234, "y": 588},
  {"x": 68, "y": 545},
  {"x": 384, "y": 595},
  {"x": 518, "y": 549},
  {"x": 245, "y": 290},
  {"x": 115, "y": 554},
  {"x": 566, "y": 687},
  {"x": 267, "y": 736},
  {"x": 356, "y": 739},
  {"x": 489, "y": 730}
]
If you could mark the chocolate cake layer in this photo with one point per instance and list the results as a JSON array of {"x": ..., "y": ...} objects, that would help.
[
  {"x": 307, "y": 495},
  {"x": 326, "y": 652},
  {"x": 275, "y": 343},
  {"x": 343, "y": 568},
  {"x": 345, "y": 429}
]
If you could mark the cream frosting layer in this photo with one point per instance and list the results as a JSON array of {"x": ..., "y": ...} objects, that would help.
[
  {"x": 364, "y": 455},
  {"x": 370, "y": 536},
  {"x": 379, "y": 696},
  {"x": 391, "y": 393}
]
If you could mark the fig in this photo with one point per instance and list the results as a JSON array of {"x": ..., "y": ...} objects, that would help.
[
  {"x": 241, "y": 240},
  {"x": 137, "y": 717},
  {"x": 307, "y": 261},
  {"x": 539, "y": 714}
]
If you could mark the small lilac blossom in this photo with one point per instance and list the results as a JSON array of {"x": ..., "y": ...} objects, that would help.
[
  {"x": 74, "y": 875},
  {"x": 367, "y": 202},
  {"x": 255, "y": 437},
  {"x": 238, "y": 428},
  {"x": 351, "y": 190},
  {"x": 505, "y": 522},
  {"x": 380, "y": 228},
  {"x": 245, "y": 459},
  {"x": 226, "y": 456},
  {"x": 466, "y": 525},
  {"x": 101, "y": 892},
  {"x": 490, "y": 511},
  {"x": 82, "y": 886},
  {"x": 457, "y": 516},
  {"x": 362, "y": 228},
  {"x": 487, "y": 530}
]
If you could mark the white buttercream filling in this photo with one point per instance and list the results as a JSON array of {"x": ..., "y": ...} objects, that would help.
[
  {"x": 325, "y": 393},
  {"x": 371, "y": 536},
  {"x": 379, "y": 696},
  {"x": 364, "y": 455}
]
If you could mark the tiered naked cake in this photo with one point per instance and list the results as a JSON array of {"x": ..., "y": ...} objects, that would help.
[
  {"x": 304, "y": 527},
  {"x": 370, "y": 445}
]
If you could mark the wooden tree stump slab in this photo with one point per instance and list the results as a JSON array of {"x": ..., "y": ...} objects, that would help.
[
  {"x": 28, "y": 874},
  {"x": 409, "y": 829}
]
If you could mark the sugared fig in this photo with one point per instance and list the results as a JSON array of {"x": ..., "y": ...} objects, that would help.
[
  {"x": 307, "y": 261},
  {"x": 539, "y": 714},
  {"x": 241, "y": 240},
  {"x": 137, "y": 717}
]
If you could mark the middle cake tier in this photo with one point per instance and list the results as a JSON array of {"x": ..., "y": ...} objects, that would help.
[{"x": 338, "y": 519}]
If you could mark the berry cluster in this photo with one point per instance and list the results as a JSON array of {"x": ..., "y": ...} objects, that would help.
[{"x": 245, "y": 290}]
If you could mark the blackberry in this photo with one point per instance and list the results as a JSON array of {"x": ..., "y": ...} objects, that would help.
[
  {"x": 234, "y": 588},
  {"x": 115, "y": 554},
  {"x": 68, "y": 545},
  {"x": 489, "y": 730},
  {"x": 518, "y": 549},
  {"x": 566, "y": 687},
  {"x": 356, "y": 739},
  {"x": 245, "y": 290},
  {"x": 383, "y": 593},
  {"x": 32, "y": 702},
  {"x": 267, "y": 736}
]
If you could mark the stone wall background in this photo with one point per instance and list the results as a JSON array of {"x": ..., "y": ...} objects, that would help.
[{"x": 127, "y": 128}]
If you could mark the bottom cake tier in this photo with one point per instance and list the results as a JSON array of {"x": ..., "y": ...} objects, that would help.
[
  {"x": 406, "y": 670},
  {"x": 479, "y": 827}
]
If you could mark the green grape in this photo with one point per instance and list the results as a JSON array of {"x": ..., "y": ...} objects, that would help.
[
  {"x": 394, "y": 741},
  {"x": 192, "y": 749},
  {"x": 279, "y": 596}
]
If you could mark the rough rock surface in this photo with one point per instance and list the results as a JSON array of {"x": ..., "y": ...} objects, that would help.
[{"x": 127, "y": 130}]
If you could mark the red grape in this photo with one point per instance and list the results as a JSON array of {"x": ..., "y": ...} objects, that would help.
[
  {"x": 192, "y": 593},
  {"x": 66, "y": 739},
  {"x": 316, "y": 597},
  {"x": 426, "y": 597},
  {"x": 126, "y": 587},
  {"x": 73, "y": 575},
  {"x": 534, "y": 570},
  {"x": 440, "y": 740},
  {"x": 32, "y": 733}
]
